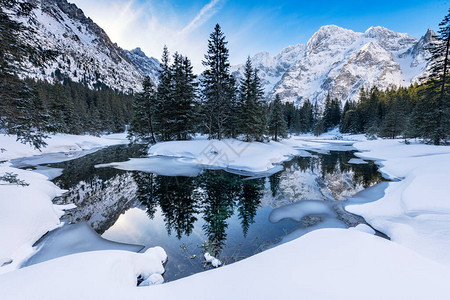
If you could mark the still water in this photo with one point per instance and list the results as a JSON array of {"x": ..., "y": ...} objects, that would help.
[{"x": 227, "y": 215}]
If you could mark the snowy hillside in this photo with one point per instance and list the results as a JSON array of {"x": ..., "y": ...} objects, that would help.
[
  {"x": 271, "y": 69},
  {"x": 84, "y": 51},
  {"x": 340, "y": 61}
]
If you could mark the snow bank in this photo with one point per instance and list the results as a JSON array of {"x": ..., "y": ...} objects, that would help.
[
  {"x": 324, "y": 264},
  {"x": 74, "y": 238},
  {"x": 26, "y": 213},
  {"x": 414, "y": 211},
  {"x": 227, "y": 154},
  {"x": 91, "y": 275},
  {"x": 57, "y": 143},
  {"x": 363, "y": 228}
]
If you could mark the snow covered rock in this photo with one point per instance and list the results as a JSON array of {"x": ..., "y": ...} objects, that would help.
[{"x": 212, "y": 260}]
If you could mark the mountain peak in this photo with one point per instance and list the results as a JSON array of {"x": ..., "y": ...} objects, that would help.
[
  {"x": 331, "y": 35},
  {"x": 376, "y": 31},
  {"x": 390, "y": 40},
  {"x": 429, "y": 35},
  {"x": 138, "y": 51}
]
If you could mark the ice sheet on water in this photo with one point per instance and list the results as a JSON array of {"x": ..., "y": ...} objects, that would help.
[
  {"x": 301, "y": 209},
  {"x": 166, "y": 166},
  {"x": 51, "y": 173},
  {"x": 71, "y": 239},
  {"x": 323, "y": 146},
  {"x": 357, "y": 161},
  {"x": 370, "y": 194},
  {"x": 178, "y": 166},
  {"x": 49, "y": 158},
  {"x": 303, "y": 153},
  {"x": 325, "y": 217}
]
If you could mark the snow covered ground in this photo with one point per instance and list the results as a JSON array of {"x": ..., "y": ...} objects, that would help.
[
  {"x": 323, "y": 264},
  {"x": 414, "y": 211},
  {"x": 27, "y": 212}
]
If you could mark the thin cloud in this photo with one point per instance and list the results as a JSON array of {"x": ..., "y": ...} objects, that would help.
[
  {"x": 150, "y": 26},
  {"x": 205, "y": 13}
]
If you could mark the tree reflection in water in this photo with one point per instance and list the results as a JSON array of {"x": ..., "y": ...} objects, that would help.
[{"x": 215, "y": 194}]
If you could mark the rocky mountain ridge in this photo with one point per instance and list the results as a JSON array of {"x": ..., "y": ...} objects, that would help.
[
  {"x": 339, "y": 62},
  {"x": 84, "y": 52}
]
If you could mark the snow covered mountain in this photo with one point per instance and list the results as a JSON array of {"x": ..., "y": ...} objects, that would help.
[
  {"x": 84, "y": 51},
  {"x": 339, "y": 61},
  {"x": 148, "y": 66},
  {"x": 271, "y": 69}
]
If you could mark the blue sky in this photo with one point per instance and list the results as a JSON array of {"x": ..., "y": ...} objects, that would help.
[{"x": 250, "y": 26}]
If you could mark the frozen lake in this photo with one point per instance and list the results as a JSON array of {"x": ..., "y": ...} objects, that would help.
[{"x": 231, "y": 216}]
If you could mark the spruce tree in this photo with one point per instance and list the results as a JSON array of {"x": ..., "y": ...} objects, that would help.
[
  {"x": 260, "y": 116},
  {"x": 21, "y": 111},
  {"x": 252, "y": 111},
  {"x": 431, "y": 118},
  {"x": 277, "y": 124},
  {"x": 217, "y": 85},
  {"x": 246, "y": 101},
  {"x": 332, "y": 113},
  {"x": 395, "y": 121},
  {"x": 164, "y": 98},
  {"x": 184, "y": 93},
  {"x": 141, "y": 127},
  {"x": 306, "y": 117}
]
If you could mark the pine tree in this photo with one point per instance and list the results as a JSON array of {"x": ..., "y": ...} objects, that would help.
[
  {"x": 317, "y": 120},
  {"x": 350, "y": 118},
  {"x": 306, "y": 117},
  {"x": 431, "y": 118},
  {"x": 21, "y": 111},
  {"x": 184, "y": 93},
  {"x": 141, "y": 127},
  {"x": 277, "y": 124},
  {"x": 332, "y": 113},
  {"x": 395, "y": 121},
  {"x": 252, "y": 119},
  {"x": 246, "y": 104},
  {"x": 260, "y": 116},
  {"x": 164, "y": 98},
  {"x": 232, "y": 128},
  {"x": 217, "y": 85}
]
